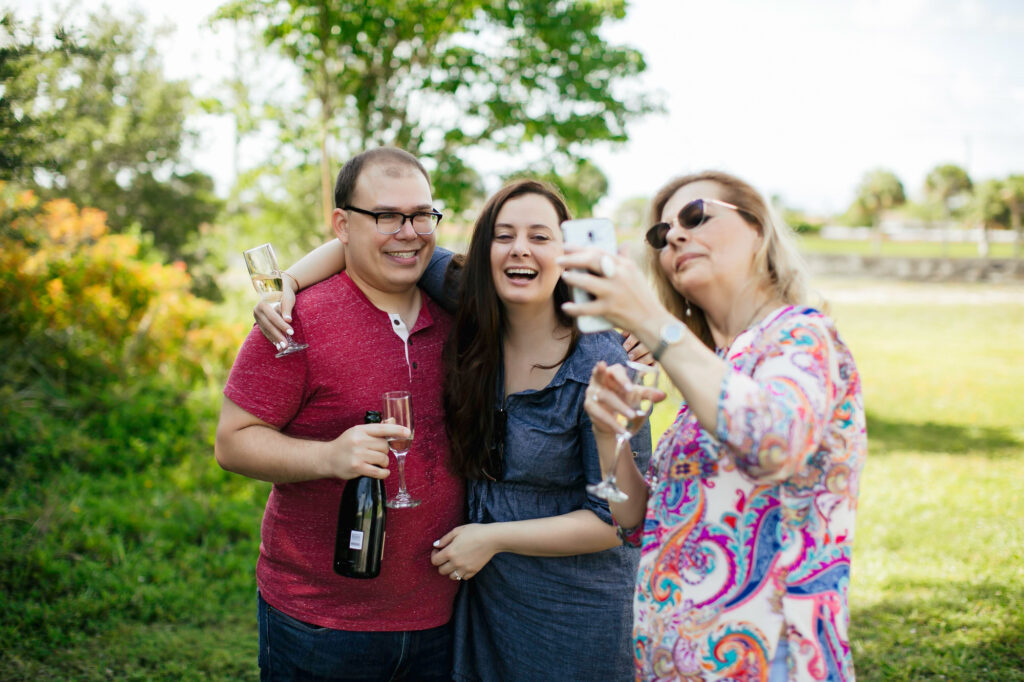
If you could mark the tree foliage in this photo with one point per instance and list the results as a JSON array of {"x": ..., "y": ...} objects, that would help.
[
  {"x": 95, "y": 319},
  {"x": 22, "y": 132},
  {"x": 440, "y": 79},
  {"x": 1012, "y": 192},
  {"x": 94, "y": 120},
  {"x": 277, "y": 203},
  {"x": 988, "y": 207},
  {"x": 879, "y": 191},
  {"x": 949, "y": 186},
  {"x": 582, "y": 185},
  {"x": 632, "y": 217},
  {"x": 81, "y": 301}
]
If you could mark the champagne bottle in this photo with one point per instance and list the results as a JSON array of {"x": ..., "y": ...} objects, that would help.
[{"x": 359, "y": 543}]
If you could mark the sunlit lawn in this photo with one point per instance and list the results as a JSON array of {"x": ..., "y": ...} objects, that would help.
[
  {"x": 816, "y": 244},
  {"x": 938, "y": 573}
]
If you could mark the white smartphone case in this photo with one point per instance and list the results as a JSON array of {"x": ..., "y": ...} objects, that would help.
[{"x": 599, "y": 232}]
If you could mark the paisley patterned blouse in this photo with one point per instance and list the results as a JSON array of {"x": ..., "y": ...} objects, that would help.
[{"x": 748, "y": 531}]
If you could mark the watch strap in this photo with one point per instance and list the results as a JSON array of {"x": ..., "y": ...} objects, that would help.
[
  {"x": 662, "y": 345},
  {"x": 664, "y": 341}
]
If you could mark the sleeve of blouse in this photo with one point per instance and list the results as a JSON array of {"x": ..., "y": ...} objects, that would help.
[
  {"x": 773, "y": 422},
  {"x": 435, "y": 281}
]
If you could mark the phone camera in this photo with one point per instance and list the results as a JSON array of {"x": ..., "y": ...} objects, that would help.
[{"x": 590, "y": 235}]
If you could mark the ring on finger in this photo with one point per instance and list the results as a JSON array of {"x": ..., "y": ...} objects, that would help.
[
  {"x": 456, "y": 574},
  {"x": 596, "y": 396},
  {"x": 607, "y": 265}
]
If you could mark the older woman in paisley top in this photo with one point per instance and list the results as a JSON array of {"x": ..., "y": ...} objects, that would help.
[{"x": 745, "y": 517}]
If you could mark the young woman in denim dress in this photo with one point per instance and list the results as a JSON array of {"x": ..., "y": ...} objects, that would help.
[
  {"x": 546, "y": 581},
  {"x": 545, "y": 573}
]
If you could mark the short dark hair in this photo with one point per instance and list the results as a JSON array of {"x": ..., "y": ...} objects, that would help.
[{"x": 345, "y": 185}]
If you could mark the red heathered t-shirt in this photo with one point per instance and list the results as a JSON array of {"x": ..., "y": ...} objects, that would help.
[{"x": 353, "y": 357}]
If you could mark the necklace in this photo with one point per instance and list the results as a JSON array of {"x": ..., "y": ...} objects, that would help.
[{"x": 755, "y": 317}]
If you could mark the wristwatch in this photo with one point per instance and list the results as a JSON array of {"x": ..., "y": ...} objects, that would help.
[{"x": 671, "y": 333}]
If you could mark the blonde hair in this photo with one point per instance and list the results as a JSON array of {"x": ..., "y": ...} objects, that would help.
[{"x": 778, "y": 266}]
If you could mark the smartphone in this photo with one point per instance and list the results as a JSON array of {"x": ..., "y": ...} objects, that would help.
[{"x": 599, "y": 232}]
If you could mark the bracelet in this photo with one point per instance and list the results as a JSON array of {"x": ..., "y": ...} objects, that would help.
[
  {"x": 294, "y": 279},
  {"x": 630, "y": 536}
]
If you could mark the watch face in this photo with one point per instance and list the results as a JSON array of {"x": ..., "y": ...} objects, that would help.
[{"x": 672, "y": 332}]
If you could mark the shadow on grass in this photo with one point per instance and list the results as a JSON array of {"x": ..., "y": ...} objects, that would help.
[
  {"x": 941, "y": 630},
  {"x": 225, "y": 651},
  {"x": 886, "y": 435}
]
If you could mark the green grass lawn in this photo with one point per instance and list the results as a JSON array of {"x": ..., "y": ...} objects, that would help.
[
  {"x": 148, "y": 574},
  {"x": 815, "y": 244},
  {"x": 938, "y": 578}
]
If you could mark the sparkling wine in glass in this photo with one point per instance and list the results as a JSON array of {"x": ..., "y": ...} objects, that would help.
[
  {"x": 267, "y": 280},
  {"x": 636, "y": 394},
  {"x": 398, "y": 407}
]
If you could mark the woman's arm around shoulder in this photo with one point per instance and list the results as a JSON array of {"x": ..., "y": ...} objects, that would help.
[
  {"x": 441, "y": 279},
  {"x": 324, "y": 261}
]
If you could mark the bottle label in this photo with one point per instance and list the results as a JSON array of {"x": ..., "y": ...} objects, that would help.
[{"x": 355, "y": 540}]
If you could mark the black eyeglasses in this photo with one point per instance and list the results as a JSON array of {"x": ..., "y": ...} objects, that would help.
[
  {"x": 691, "y": 216},
  {"x": 390, "y": 222},
  {"x": 494, "y": 466}
]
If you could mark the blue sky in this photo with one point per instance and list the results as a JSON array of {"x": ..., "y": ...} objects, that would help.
[{"x": 801, "y": 97}]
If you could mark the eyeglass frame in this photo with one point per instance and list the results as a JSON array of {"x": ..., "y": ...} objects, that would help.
[
  {"x": 405, "y": 216},
  {"x": 651, "y": 233}
]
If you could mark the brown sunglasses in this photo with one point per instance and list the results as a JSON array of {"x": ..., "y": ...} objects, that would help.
[{"x": 691, "y": 216}]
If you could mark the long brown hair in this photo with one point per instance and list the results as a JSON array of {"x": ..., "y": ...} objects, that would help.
[
  {"x": 777, "y": 264},
  {"x": 473, "y": 354}
]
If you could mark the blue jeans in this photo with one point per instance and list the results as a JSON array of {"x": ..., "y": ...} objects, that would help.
[{"x": 293, "y": 650}]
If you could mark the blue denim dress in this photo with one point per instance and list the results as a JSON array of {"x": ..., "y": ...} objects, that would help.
[{"x": 547, "y": 618}]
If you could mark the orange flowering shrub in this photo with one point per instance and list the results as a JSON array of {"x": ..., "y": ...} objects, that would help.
[{"x": 79, "y": 302}]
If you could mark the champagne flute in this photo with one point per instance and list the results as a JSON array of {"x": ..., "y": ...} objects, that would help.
[
  {"x": 267, "y": 280},
  {"x": 398, "y": 407},
  {"x": 641, "y": 378}
]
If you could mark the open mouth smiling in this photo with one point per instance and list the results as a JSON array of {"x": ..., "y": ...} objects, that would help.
[{"x": 521, "y": 274}]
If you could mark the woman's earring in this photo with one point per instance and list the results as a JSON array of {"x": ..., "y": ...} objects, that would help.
[{"x": 689, "y": 313}]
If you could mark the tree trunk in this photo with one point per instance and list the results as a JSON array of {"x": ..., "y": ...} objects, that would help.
[
  {"x": 236, "y": 133},
  {"x": 1018, "y": 233},
  {"x": 326, "y": 186},
  {"x": 326, "y": 112}
]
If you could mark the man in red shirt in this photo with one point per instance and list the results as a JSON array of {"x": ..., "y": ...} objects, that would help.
[{"x": 298, "y": 423}]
